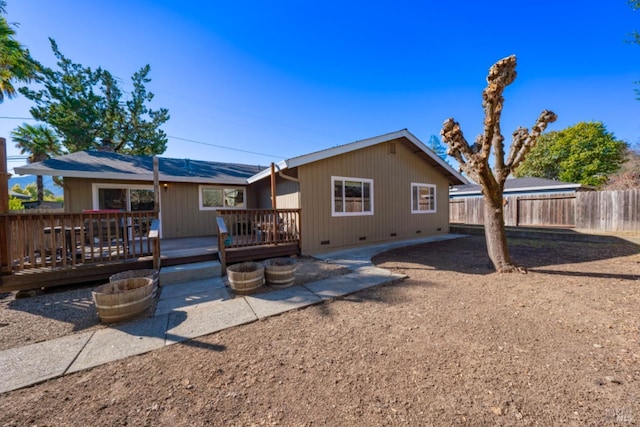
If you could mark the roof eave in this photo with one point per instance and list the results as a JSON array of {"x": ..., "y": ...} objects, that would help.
[
  {"x": 25, "y": 170},
  {"x": 280, "y": 166},
  {"x": 452, "y": 175}
]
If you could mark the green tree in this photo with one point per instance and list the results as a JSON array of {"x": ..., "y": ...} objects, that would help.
[
  {"x": 15, "y": 204},
  {"x": 438, "y": 147},
  {"x": 584, "y": 153},
  {"x": 87, "y": 110},
  {"x": 474, "y": 158},
  {"x": 16, "y": 64},
  {"x": 40, "y": 143}
]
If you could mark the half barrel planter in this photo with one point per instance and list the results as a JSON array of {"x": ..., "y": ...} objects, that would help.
[
  {"x": 245, "y": 277},
  {"x": 280, "y": 272},
  {"x": 123, "y": 299},
  {"x": 147, "y": 273}
]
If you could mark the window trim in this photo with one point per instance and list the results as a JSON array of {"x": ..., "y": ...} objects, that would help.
[
  {"x": 333, "y": 200},
  {"x": 435, "y": 200},
  {"x": 223, "y": 189},
  {"x": 96, "y": 186}
]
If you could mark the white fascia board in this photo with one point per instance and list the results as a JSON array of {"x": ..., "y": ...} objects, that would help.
[
  {"x": 343, "y": 149},
  {"x": 517, "y": 190},
  {"x": 282, "y": 165},
  {"x": 411, "y": 137},
  {"x": 544, "y": 188}
]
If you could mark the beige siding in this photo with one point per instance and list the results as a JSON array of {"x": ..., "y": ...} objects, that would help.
[
  {"x": 179, "y": 206},
  {"x": 392, "y": 175},
  {"x": 287, "y": 195},
  {"x": 77, "y": 195}
]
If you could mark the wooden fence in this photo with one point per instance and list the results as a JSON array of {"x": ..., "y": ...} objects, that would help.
[{"x": 590, "y": 210}]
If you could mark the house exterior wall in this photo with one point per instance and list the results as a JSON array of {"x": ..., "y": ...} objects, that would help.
[
  {"x": 287, "y": 194},
  {"x": 179, "y": 205},
  {"x": 392, "y": 175}
]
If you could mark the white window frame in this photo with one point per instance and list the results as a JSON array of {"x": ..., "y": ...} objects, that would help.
[
  {"x": 95, "y": 187},
  {"x": 223, "y": 189},
  {"x": 421, "y": 185},
  {"x": 333, "y": 201}
]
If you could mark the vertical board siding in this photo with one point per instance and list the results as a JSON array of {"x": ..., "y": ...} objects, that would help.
[
  {"x": 392, "y": 175},
  {"x": 180, "y": 213},
  {"x": 589, "y": 210}
]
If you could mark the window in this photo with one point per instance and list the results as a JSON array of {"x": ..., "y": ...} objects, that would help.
[
  {"x": 124, "y": 197},
  {"x": 423, "y": 198},
  {"x": 219, "y": 198},
  {"x": 351, "y": 196}
]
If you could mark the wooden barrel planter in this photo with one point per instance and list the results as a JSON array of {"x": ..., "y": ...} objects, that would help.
[
  {"x": 147, "y": 273},
  {"x": 245, "y": 277},
  {"x": 123, "y": 299},
  {"x": 280, "y": 272}
]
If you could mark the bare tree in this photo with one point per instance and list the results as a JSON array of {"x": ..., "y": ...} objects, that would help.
[{"x": 474, "y": 159}]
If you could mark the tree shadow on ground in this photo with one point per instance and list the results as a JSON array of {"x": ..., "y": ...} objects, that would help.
[
  {"x": 469, "y": 255},
  {"x": 377, "y": 295}
]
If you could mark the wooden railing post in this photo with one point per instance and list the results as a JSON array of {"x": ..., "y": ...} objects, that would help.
[
  {"x": 154, "y": 236},
  {"x": 222, "y": 236}
]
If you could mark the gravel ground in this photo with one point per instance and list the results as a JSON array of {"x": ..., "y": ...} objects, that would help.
[{"x": 66, "y": 310}]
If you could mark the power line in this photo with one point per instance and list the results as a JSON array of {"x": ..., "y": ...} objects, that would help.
[
  {"x": 223, "y": 147},
  {"x": 16, "y": 118}
]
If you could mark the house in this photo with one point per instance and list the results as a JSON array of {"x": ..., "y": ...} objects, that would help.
[
  {"x": 19, "y": 196},
  {"x": 522, "y": 186},
  {"x": 191, "y": 190},
  {"x": 382, "y": 188}
]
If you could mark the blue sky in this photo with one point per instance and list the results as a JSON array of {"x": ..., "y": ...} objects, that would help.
[{"x": 285, "y": 78}]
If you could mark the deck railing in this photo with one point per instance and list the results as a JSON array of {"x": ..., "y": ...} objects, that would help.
[
  {"x": 38, "y": 240},
  {"x": 255, "y": 227},
  {"x": 245, "y": 234}
]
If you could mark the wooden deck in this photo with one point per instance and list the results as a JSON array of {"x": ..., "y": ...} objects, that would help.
[
  {"x": 174, "y": 252},
  {"x": 34, "y": 259}
]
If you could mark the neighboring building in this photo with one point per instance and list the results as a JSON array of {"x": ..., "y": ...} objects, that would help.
[
  {"x": 19, "y": 196},
  {"x": 521, "y": 186},
  {"x": 382, "y": 188}
]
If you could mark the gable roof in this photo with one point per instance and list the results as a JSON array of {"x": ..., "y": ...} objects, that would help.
[
  {"x": 440, "y": 165},
  {"x": 107, "y": 165},
  {"x": 522, "y": 185}
]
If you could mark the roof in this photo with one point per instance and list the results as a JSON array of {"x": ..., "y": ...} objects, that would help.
[
  {"x": 522, "y": 185},
  {"x": 440, "y": 165},
  {"x": 19, "y": 196},
  {"x": 108, "y": 165}
]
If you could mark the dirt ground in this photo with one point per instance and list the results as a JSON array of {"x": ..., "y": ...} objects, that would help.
[{"x": 454, "y": 344}]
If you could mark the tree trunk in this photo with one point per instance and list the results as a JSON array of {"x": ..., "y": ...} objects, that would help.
[
  {"x": 40, "y": 188},
  {"x": 496, "y": 237}
]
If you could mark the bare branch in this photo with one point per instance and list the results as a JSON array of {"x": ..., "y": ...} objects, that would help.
[
  {"x": 524, "y": 141},
  {"x": 501, "y": 74},
  {"x": 459, "y": 148}
]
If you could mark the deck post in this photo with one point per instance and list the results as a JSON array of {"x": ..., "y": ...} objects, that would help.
[
  {"x": 154, "y": 236},
  {"x": 222, "y": 236},
  {"x": 4, "y": 206}
]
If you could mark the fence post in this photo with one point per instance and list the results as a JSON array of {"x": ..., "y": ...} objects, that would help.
[{"x": 4, "y": 207}]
